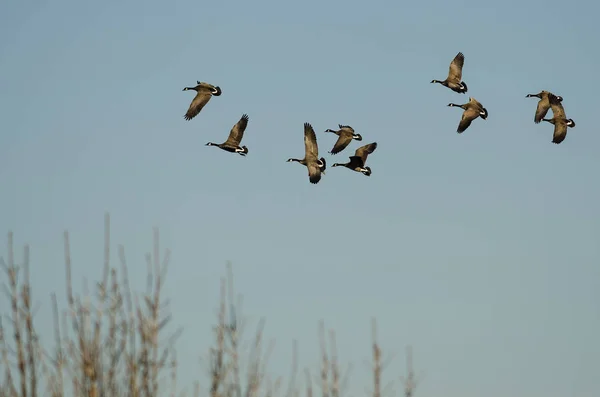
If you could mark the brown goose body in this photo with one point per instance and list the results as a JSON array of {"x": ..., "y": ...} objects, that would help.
[
  {"x": 454, "y": 79},
  {"x": 559, "y": 119},
  {"x": 472, "y": 110},
  {"x": 315, "y": 165},
  {"x": 543, "y": 104},
  {"x": 204, "y": 91},
  {"x": 232, "y": 144},
  {"x": 358, "y": 161},
  {"x": 345, "y": 135}
]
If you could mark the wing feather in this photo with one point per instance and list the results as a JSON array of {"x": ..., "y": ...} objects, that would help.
[
  {"x": 237, "y": 131},
  {"x": 342, "y": 142},
  {"x": 364, "y": 151},
  {"x": 557, "y": 108},
  {"x": 455, "y": 70},
  {"x": 310, "y": 143},
  {"x": 346, "y": 127},
  {"x": 467, "y": 117},
  {"x": 560, "y": 132},
  {"x": 199, "y": 101},
  {"x": 542, "y": 109}
]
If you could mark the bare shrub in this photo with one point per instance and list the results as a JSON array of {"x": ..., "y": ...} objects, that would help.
[{"x": 112, "y": 342}]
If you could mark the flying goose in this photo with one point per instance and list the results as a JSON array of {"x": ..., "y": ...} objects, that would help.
[
  {"x": 358, "y": 161},
  {"x": 543, "y": 104},
  {"x": 559, "y": 119},
  {"x": 473, "y": 109},
  {"x": 315, "y": 165},
  {"x": 345, "y": 136},
  {"x": 232, "y": 144},
  {"x": 204, "y": 92},
  {"x": 453, "y": 81}
]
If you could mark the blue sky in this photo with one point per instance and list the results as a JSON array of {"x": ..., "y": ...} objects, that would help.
[{"x": 481, "y": 249}]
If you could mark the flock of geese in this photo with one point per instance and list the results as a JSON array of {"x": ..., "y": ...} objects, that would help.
[
  {"x": 346, "y": 134},
  {"x": 474, "y": 108}
]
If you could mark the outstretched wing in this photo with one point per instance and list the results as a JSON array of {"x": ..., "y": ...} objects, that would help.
[
  {"x": 237, "y": 131},
  {"x": 199, "y": 101},
  {"x": 467, "y": 117},
  {"x": 342, "y": 142},
  {"x": 364, "y": 151},
  {"x": 557, "y": 108},
  {"x": 560, "y": 132},
  {"x": 455, "y": 70},
  {"x": 542, "y": 109},
  {"x": 310, "y": 143}
]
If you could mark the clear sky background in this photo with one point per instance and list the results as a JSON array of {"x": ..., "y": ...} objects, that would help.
[{"x": 482, "y": 250}]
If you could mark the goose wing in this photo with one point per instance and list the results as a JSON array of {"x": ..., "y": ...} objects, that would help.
[
  {"x": 237, "y": 131},
  {"x": 455, "y": 70},
  {"x": 310, "y": 144},
  {"x": 542, "y": 109},
  {"x": 199, "y": 101},
  {"x": 342, "y": 142},
  {"x": 363, "y": 152},
  {"x": 467, "y": 117},
  {"x": 560, "y": 131},
  {"x": 346, "y": 127},
  {"x": 557, "y": 108}
]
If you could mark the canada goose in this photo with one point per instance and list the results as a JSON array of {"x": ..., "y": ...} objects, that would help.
[
  {"x": 358, "y": 161},
  {"x": 316, "y": 166},
  {"x": 473, "y": 109},
  {"x": 204, "y": 92},
  {"x": 559, "y": 119},
  {"x": 346, "y": 135},
  {"x": 543, "y": 104},
  {"x": 232, "y": 144},
  {"x": 453, "y": 81}
]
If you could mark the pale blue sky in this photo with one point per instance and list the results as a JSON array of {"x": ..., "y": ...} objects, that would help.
[{"x": 481, "y": 249}]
